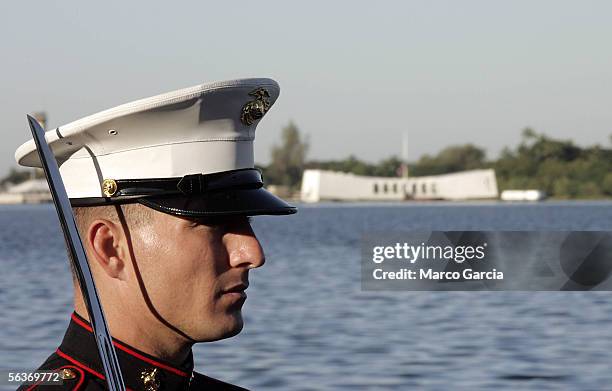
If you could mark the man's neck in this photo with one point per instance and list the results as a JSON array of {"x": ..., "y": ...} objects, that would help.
[{"x": 146, "y": 335}]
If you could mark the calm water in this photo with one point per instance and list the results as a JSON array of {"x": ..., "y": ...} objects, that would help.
[{"x": 310, "y": 327}]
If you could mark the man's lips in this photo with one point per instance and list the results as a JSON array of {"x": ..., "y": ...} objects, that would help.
[{"x": 237, "y": 291}]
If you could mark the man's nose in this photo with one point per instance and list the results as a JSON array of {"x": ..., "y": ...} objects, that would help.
[{"x": 244, "y": 250}]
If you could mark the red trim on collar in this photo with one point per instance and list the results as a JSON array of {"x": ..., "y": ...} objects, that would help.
[
  {"x": 81, "y": 323},
  {"x": 83, "y": 366},
  {"x": 79, "y": 364},
  {"x": 132, "y": 352}
]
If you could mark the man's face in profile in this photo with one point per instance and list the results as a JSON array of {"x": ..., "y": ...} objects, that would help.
[{"x": 195, "y": 271}]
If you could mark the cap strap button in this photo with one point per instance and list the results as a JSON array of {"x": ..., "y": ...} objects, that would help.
[{"x": 109, "y": 187}]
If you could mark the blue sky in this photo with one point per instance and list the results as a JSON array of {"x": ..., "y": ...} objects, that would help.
[{"x": 354, "y": 75}]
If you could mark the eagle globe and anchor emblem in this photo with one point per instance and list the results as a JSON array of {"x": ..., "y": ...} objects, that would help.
[{"x": 255, "y": 109}]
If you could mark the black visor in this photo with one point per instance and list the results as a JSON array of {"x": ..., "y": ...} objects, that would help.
[{"x": 245, "y": 202}]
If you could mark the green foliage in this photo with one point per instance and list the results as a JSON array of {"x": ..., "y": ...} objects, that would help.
[
  {"x": 386, "y": 168},
  {"x": 558, "y": 167},
  {"x": 450, "y": 159},
  {"x": 288, "y": 159}
]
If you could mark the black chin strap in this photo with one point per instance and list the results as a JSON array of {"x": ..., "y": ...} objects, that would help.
[{"x": 141, "y": 284}]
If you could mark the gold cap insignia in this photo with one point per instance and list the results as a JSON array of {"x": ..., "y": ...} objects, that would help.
[
  {"x": 109, "y": 187},
  {"x": 150, "y": 380},
  {"x": 256, "y": 108},
  {"x": 67, "y": 374}
]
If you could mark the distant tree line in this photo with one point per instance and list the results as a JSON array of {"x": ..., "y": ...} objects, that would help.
[{"x": 558, "y": 167}]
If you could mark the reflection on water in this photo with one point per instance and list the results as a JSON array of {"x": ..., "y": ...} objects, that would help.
[{"x": 309, "y": 326}]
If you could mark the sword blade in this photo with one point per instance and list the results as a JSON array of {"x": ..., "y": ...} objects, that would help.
[{"x": 79, "y": 259}]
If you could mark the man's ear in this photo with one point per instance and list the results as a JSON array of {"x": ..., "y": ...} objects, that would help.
[{"x": 106, "y": 241}]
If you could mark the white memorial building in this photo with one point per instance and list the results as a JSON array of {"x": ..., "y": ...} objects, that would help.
[{"x": 321, "y": 185}]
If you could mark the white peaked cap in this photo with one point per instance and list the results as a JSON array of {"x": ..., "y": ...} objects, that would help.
[{"x": 142, "y": 149}]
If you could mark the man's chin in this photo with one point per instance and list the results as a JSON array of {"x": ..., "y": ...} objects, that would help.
[
  {"x": 232, "y": 326},
  {"x": 235, "y": 331}
]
